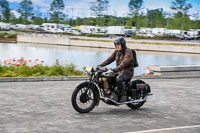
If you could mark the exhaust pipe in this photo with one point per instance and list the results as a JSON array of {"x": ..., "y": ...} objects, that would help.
[{"x": 106, "y": 100}]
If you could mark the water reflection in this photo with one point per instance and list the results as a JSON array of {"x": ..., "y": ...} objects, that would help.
[{"x": 81, "y": 56}]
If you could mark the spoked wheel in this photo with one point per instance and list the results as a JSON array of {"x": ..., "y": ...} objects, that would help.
[
  {"x": 140, "y": 95},
  {"x": 83, "y": 98},
  {"x": 139, "y": 104}
]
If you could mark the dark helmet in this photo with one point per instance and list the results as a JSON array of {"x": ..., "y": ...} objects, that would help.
[{"x": 121, "y": 41}]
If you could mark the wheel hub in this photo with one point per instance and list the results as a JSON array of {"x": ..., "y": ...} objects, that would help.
[{"x": 84, "y": 98}]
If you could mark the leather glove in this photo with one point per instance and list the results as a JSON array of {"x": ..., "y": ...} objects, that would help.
[
  {"x": 99, "y": 66},
  {"x": 115, "y": 69}
]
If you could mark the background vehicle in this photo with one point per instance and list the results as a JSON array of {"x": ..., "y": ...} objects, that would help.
[
  {"x": 186, "y": 37},
  {"x": 115, "y": 31}
]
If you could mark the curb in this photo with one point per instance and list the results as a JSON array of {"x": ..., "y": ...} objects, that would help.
[
  {"x": 38, "y": 79},
  {"x": 79, "y": 78}
]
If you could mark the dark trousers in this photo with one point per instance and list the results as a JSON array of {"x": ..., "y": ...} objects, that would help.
[
  {"x": 123, "y": 77},
  {"x": 120, "y": 80}
]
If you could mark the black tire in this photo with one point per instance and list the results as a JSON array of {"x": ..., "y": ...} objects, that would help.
[
  {"x": 79, "y": 97},
  {"x": 140, "y": 104},
  {"x": 135, "y": 105}
]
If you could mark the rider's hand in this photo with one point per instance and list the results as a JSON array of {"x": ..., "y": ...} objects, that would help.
[
  {"x": 115, "y": 69},
  {"x": 99, "y": 66}
]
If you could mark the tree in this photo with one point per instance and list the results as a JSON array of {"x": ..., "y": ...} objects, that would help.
[
  {"x": 56, "y": 11},
  {"x": 36, "y": 19},
  {"x": 4, "y": 10},
  {"x": 26, "y": 10},
  {"x": 181, "y": 6},
  {"x": 181, "y": 18},
  {"x": 155, "y": 18},
  {"x": 135, "y": 6},
  {"x": 99, "y": 7}
]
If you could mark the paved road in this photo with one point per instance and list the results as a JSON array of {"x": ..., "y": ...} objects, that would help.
[{"x": 45, "y": 107}]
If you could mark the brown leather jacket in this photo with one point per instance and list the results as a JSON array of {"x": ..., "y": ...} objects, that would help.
[{"x": 124, "y": 61}]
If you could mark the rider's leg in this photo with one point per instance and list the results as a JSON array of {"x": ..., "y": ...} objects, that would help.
[{"x": 121, "y": 84}]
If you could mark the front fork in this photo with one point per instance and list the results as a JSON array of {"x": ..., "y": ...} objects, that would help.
[{"x": 93, "y": 87}]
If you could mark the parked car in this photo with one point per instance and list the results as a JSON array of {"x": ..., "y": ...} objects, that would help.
[
  {"x": 185, "y": 37},
  {"x": 150, "y": 35},
  {"x": 73, "y": 31},
  {"x": 129, "y": 32},
  {"x": 4, "y": 26},
  {"x": 39, "y": 28}
]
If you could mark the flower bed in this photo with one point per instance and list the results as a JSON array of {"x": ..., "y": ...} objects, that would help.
[{"x": 25, "y": 68}]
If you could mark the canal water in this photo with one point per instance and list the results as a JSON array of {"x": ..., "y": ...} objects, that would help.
[{"x": 81, "y": 57}]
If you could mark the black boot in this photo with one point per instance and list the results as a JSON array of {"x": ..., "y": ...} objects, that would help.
[{"x": 124, "y": 97}]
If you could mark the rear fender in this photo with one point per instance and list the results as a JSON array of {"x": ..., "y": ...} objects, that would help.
[{"x": 139, "y": 81}]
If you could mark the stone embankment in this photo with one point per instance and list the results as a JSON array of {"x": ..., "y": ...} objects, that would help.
[
  {"x": 8, "y": 40},
  {"x": 176, "y": 71},
  {"x": 147, "y": 45}
]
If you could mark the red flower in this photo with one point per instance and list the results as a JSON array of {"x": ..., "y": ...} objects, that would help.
[
  {"x": 21, "y": 60},
  {"x": 24, "y": 62},
  {"x": 29, "y": 61},
  {"x": 14, "y": 60},
  {"x": 18, "y": 65}
]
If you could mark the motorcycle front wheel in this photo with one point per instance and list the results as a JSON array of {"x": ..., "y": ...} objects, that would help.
[{"x": 83, "y": 98}]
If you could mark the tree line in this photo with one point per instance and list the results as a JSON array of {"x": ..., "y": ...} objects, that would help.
[{"x": 153, "y": 18}]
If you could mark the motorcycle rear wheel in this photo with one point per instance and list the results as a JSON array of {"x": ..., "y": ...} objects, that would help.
[
  {"x": 82, "y": 101},
  {"x": 135, "y": 105},
  {"x": 141, "y": 95}
]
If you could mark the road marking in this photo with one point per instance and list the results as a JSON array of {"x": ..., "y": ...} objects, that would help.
[{"x": 165, "y": 129}]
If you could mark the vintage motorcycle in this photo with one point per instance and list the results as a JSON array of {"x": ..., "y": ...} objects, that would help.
[{"x": 101, "y": 85}]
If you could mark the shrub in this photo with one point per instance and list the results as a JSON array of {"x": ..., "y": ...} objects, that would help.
[
  {"x": 95, "y": 35},
  {"x": 12, "y": 35},
  {"x": 3, "y": 34},
  {"x": 165, "y": 37},
  {"x": 7, "y": 35}
]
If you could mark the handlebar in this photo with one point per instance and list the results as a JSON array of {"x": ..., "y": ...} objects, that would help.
[{"x": 103, "y": 69}]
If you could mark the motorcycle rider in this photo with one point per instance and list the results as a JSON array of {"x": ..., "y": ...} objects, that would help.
[{"x": 124, "y": 65}]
